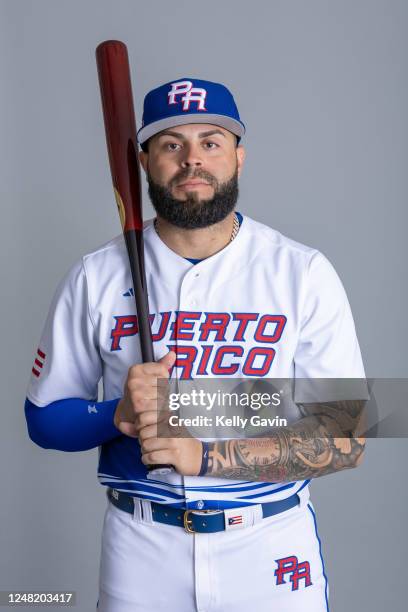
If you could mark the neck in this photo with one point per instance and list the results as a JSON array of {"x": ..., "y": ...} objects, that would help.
[{"x": 196, "y": 243}]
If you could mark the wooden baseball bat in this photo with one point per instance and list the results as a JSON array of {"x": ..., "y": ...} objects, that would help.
[{"x": 120, "y": 127}]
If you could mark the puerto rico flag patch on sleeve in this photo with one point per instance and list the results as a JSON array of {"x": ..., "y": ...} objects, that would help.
[{"x": 38, "y": 363}]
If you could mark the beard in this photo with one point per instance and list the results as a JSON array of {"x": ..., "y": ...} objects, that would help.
[{"x": 193, "y": 212}]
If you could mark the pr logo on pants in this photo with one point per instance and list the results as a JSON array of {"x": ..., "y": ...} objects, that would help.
[{"x": 296, "y": 572}]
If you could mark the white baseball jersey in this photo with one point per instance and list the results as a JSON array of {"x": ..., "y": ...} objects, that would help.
[{"x": 264, "y": 306}]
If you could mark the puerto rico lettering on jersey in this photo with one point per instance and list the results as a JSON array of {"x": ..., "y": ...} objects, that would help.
[{"x": 215, "y": 354}]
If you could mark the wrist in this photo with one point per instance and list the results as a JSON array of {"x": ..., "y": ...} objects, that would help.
[{"x": 204, "y": 458}]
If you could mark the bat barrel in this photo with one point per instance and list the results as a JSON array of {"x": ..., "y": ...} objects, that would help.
[{"x": 120, "y": 128}]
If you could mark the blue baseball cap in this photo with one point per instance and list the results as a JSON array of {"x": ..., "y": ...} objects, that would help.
[{"x": 189, "y": 101}]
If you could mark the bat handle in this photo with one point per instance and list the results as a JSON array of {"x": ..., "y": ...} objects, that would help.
[{"x": 134, "y": 243}]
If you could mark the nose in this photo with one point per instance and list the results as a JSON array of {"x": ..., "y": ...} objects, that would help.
[{"x": 192, "y": 156}]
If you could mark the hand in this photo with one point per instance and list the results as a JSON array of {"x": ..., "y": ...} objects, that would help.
[
  {"x": 143, "y": 396},
  {"x": 185, "y": 454}
]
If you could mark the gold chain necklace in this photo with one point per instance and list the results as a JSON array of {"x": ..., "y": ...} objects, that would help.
[{"x": 235, "y": 228}]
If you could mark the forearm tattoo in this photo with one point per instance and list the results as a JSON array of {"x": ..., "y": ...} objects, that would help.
[{"x": 306, "y": 449}]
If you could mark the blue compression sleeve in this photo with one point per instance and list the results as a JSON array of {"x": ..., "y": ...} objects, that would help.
[{"x": 71, "y": 424}]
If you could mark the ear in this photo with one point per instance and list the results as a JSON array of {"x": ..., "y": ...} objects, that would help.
[
  {"x": 240, "y": 150},
  {"x": 143, "y": 157}
]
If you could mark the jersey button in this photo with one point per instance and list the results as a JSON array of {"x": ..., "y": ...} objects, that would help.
[{"x": 200, "y": 504}]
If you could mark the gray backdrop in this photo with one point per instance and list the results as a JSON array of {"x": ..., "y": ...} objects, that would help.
[{"x": 322, "y": 88}]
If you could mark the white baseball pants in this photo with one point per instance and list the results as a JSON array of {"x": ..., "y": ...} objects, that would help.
[{"x": 273, "y": 566}]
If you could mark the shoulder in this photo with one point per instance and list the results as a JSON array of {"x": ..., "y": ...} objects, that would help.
[
  {"x": 107, "y": 256},
  {"x": 268, "y": 240},
  {"x": 283, "y": 255},
  {"x": 111, "y": 249},
  {"x": 275, "y": 239}
]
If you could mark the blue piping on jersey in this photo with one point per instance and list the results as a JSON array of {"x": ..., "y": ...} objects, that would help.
[
  {"x": 288, "y": 486},
  {"x": 181, "y": 486},
  {"x": 139, "y": 481},
  {"x": 145, "y": 485},
  {"x": 227, "y": 487},
  {"x": 303, "y": 485},
  {"x": 113, "y": 481},
  {"x": 223, "y": 489},
  {"x": 321, "y": 557},
  {"x": 142, "y": 487},
  {"x": 150, "y": 496}
]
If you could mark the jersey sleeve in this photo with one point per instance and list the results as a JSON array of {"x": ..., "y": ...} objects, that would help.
[
  {"x": 67, "y": 362},
  {"x": 328, "y": 345}
]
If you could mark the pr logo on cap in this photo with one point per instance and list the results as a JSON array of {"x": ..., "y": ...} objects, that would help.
[{"x": 192, "y": 94}]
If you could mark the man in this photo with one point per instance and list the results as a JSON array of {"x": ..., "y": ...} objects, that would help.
[{"x": 231, "y": 527}]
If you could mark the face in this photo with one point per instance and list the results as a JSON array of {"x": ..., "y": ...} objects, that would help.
[{"x": 192, "y": 172}]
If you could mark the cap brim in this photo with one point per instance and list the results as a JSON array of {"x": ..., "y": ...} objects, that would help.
[{"x": 232, "y": 125}]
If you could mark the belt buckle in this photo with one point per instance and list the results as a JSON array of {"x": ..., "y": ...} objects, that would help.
[{"x": 188, "y": 522}]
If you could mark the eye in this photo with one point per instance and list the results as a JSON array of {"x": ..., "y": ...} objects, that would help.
[
  {"x": 211, "y": 145},
  {"x": 171, "y": 146}
]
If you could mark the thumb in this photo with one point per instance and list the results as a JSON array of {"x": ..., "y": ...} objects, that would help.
[
  {"x": 128, "y": 429},
  {"x": 169, "y": 359}
]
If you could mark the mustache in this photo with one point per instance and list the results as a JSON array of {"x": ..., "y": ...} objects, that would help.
[{"x": 188, "y": 174}]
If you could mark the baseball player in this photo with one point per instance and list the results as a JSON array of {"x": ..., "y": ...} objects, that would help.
[{"x": 231, "y": 526}]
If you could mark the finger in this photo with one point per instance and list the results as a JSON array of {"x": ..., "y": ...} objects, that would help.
[
  {"x": 143, "y": 401},
  {"x": 161, "y": 457},
  {"x": 150, "y": 417},
  {"x": 156, "y": 368},
  {"x": 151, "y": 393},
  {"x": 153, "y": 443},
  {"x": 144, "y": 404},
  {"x": 161, "y": 429},
  {"x": 148, "y": 383},
  {"x": 150, "y": 431},
  {"x": 168, "y": 360},
  {"x": 140, "y": 394},
  {"x": 128, "y": 429}
]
